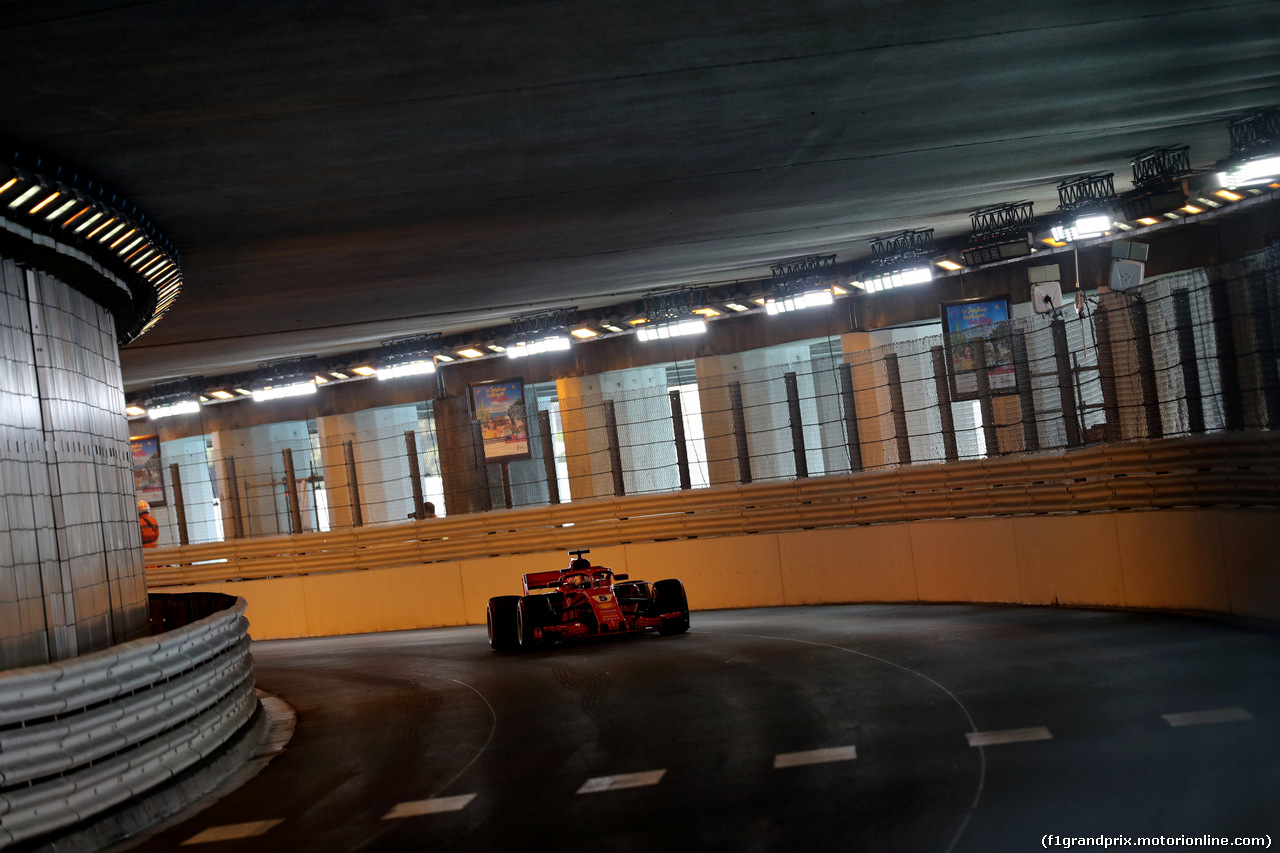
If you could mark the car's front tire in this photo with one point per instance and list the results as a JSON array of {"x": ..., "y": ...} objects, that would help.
[
  {"x": 500, "y": 618},
  {"x": 669, "y": 597}
]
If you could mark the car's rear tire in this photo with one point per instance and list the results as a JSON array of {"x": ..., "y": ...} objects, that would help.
[
  {"x": 531, "y": 613},
  {"x": 500, "y": 617},
  {"x": 669, "y": 597}
]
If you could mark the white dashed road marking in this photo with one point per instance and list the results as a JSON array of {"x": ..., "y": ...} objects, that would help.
[
  {"x": 1200, "y": 718},
  {"x": 814, "y": 756},
  {"x": 435, "y": 805},
  {"x": 625, "y": 780},
  {"x": 232, "y": 831},
  {"x": 1008, "y": 736}
]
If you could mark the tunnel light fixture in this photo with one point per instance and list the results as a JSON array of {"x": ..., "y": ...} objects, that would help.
[
  {"x": 244, "y": 392},
  {"x": 878, "y": 282},
  {"x": 999, "y": 232},
  {"x": 42, "y": 205},
  {"x": 798, "y": 301},
  {"x": 444, "y": 357},
  {"x": 60, "y": 209},
  {"x": 135, "y": 411},
  {"x": 8, "y": 185},
  {"x": 582, "y": 333},
  {"x": 22, "y": 199},
  {"x": 418, "y": 367},
  {"x": 92, "y": 219},
  {"x": 113, "y": 232},
  {"x": 737, "y": 307},
  {"x": 670, "y": 314},
  {"x": 364, "y": 370},
  {"x": 1172, "y": 215},
  {"x": 277, "y": 392},
  {"x": 321, "y": 379},
  {"x": 495, "y": 348},
  {"x": 948, "y": 264},
  {"x": 166, "y": 410},
  {"x": 1123, "y": 226},
  {"x": 536, "y": 346},
  {"x": 222, "y": 395},
  {"x": 1249, "y": 173},
  {"x": 800, "y": 284},
  {"x": 1148, "y": 220},
  {"x": 470, "y": 352},
  {"x": 671, "y": 329},
  {"x": 706, "y": 311},
  {"x": 1229, "y": 195},
  {"x": 1190, "y": 208},
  {"x": 338, "y": 374},
  {"x": 609, "y": 327}
]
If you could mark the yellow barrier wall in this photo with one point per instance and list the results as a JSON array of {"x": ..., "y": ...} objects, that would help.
[{"x": 1222, "y": 561}]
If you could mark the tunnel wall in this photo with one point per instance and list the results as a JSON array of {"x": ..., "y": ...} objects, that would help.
[
  {"x": 71, "y": 575},
  {"x": 1215, "y": 560}
]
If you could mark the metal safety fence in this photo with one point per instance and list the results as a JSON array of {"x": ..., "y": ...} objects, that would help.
[
  {"x": 1183, "y": 355},
  {"x": 83, "y": 735}
]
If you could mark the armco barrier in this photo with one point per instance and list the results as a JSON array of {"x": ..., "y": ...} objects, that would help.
[
  {"x": 81, "y": 736},
  {"x": 1225, "y": 470}
]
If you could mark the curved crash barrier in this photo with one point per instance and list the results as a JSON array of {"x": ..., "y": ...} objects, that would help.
[{"x": 84, "y": 735}]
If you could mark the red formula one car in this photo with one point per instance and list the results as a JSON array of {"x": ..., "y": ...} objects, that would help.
[{"x": 581, "y": 602}]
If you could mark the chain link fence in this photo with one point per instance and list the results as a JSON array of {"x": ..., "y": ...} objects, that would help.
[{"x": 1184, "y": 354}]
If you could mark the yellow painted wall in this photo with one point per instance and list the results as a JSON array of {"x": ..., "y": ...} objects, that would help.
[{"x": 1210, "y": 560}]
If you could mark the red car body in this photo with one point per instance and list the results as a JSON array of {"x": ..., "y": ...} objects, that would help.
[{"x": 582, "y": 602}]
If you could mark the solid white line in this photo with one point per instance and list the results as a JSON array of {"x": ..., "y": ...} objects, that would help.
[
  {"x": 1200, "y": 718},
  {"x": 624, "y": 780},
  {"x": 1008, "y": 736},
  {"x": 435, "y": 805},
  {"x": 814, "y": 756},
  {"x": 232, "y": 831}
]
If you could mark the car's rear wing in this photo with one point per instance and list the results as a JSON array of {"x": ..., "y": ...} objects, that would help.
[{"x": 541, "y": 580}]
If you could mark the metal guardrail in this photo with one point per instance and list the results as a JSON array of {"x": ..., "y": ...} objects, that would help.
[
  {"x": 81, "y": 736},
  {"x": 1240, "y": 469}
]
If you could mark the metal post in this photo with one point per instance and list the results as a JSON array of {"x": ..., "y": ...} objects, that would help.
[
  {"x": 1146, "y": 369},
  {"x": 950, "y": 448},
  {"x": 898, "y": 408},
  {"x": 1026, "y": 394},
  {"x": 615, "y": 449},
  {"x": 179, "y": 505},
  {"x": 291, "y": 492},
  {"x": 1066, "y": 382},
  {"x": 233, "y": 495},
  {"x": 1106, "y": 372},
  {"x": 415, "y": 474},
  {"x": 797, "y": 427},
  {"x": 1228, "y": 363},
  {"x": 1184, "y": 326},
  {"x": 549, "y": 457},
  {"x": 481, "y": 466},
  {"x": 353, "y": 484},
  {"x": 1265, "y": 338},
  {"x": 983, "y": 376},
  {"x": 682, "y": 450},
  {"x": 506, "y": 484},
  {"x": 740, "y": 432},
  {"x": 850, "y": 417}
]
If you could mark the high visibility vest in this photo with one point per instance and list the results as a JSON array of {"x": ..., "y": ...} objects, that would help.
[{"x": 150, "y": 530}]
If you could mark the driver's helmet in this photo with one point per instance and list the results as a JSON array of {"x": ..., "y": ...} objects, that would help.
[{"x": 582, "y": 564}]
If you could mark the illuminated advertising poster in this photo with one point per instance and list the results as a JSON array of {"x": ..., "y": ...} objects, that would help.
[
  {"x": 974, "y": 324},
  {"x": 148, "y": 476},
  {"x": 504, "y": 424}
]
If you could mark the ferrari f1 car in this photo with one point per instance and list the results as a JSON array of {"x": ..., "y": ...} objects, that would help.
[{"x": 583, "y": 602}]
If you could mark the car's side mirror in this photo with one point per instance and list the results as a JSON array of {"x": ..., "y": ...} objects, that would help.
[{"x": 621, "y": 577}]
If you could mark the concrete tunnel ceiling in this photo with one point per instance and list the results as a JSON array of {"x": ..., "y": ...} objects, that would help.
[{"x": 336, "y": 174}]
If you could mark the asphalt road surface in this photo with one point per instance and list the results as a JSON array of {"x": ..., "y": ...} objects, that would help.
[{"x": 913, "y": 728}]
